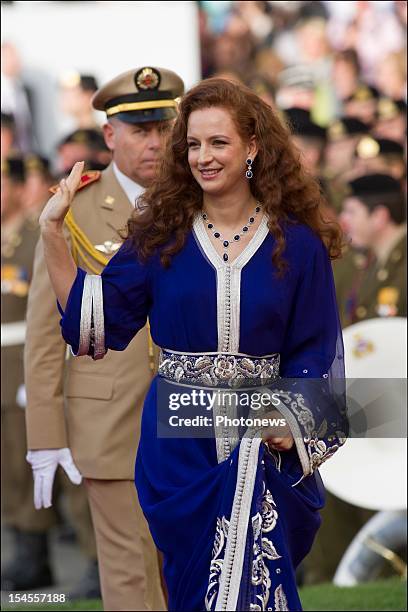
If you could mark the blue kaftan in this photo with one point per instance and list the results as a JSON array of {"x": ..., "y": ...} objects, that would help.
[{"x": 234, "y": 527}]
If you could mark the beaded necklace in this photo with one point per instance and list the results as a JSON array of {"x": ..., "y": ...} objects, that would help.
[{"x": 226, "y": 243}]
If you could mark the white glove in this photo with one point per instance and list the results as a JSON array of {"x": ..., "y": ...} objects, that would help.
[{"x": 44, "y": 464}]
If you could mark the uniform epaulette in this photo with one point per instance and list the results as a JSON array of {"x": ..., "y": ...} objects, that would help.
[{"x": 89, "y": 177}]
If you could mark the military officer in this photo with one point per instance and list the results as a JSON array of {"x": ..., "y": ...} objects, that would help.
[
  {"x": 103, "y": 398},
  {"x": 375, "y": 219},
  {"x": 18, "y": 241},
  {"x": 30, "y": 566}
]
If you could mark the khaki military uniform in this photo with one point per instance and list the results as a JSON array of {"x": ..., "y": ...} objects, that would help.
[
  {"x": 348, "y": 275},
  {"x": 382, "y": 292},
  {"x": 94, "y": 407},
  {"x": 17, "y": 251},
  {"x": 367, "y": 289},
  {"x": 18, "y": 510}
]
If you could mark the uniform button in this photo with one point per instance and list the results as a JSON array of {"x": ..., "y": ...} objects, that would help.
[
  {"x": 360, "y": 261},
  {"x": 382, "y": 275},
  {"x": 361, "y": 312}
]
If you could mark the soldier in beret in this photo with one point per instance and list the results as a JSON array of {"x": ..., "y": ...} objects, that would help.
[
  {"x": 37, "y": 184},
  {"x": 343, "y": 136},
  {"x": 309, "y": 137},
  {"x": 379, "y": 155},
  {"x": 104, "y": 398},
  {"x": 83, "y": 145},
  {"x": 18, "y": 242},
  {"x": 374, "y": 217},
  {"x": 30, "y": 566},
  {"x": 391, "y": 121},
  {"x": 357, "y": 99}
]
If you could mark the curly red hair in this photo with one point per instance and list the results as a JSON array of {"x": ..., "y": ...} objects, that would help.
[{"x": 287, "y": 192}]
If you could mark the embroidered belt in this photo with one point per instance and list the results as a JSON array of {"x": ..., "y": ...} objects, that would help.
[{"x": 218, "y": 369}]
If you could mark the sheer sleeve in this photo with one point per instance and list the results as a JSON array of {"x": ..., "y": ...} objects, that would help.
[
  {"x": 312, "y": 388},
  {"x": 105, "y": 312}
]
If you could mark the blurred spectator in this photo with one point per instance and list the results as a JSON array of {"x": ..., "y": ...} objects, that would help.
[
  {"x": 82, "y": 145},
  {"x": 37, "y": 184},
  {"x": 233, "y": 52},
  {"x": 8, "y": 134},
  {"x": 76, "y": 91},
  {"x": 343, "y": 136},
  {"x": 391, "y": 75},
  {"x": 313, "y": 44},
  {"x": 356, "y": 99},
  {"x": 316, "y": 53},
  {"x": 268, "y": 66},
  {"x": 296, "y": 88},
  {"x": 374, "y": 32},
  {"x": 15, "y": 96},
  {"x": 346, "y": 73},
  {"x": 263, "y": 88},
  {"x": 391, "y": 120}
]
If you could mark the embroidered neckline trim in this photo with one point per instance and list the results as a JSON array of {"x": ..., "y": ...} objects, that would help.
[{"x": 239, "y": 262}]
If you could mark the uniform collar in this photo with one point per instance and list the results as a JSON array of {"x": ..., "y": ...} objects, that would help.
[{"x": 132, "y": 189}]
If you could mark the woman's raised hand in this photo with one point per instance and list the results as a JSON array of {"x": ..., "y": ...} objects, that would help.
[{"x": 53, "y": 215}]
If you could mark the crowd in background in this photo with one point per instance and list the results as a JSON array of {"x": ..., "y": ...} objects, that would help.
[{"x": 334, "y": 71}]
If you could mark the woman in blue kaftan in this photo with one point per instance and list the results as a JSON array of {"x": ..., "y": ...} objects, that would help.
[
  {"x": 187, "y": 492},
  {"x": 232, "y": 514}
]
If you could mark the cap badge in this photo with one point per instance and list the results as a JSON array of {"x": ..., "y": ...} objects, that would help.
[
  {"x": 363, "y": 94},
  {"x": 368, "y": 148},
  {"x": 147, "y": 78},
  {"x": 337, "y": 130},
  {"x": 387, "y": 109},
  {"x": 33, "y": 163}
]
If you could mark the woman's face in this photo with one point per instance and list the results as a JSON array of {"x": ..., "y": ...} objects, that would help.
[{"x": 216, "y": 153}]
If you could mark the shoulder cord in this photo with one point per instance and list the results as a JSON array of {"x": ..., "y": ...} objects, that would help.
[{"x": 81, "y": 243}]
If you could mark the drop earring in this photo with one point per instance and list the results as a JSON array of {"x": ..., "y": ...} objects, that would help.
[{"x": 249, "y": 174}]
